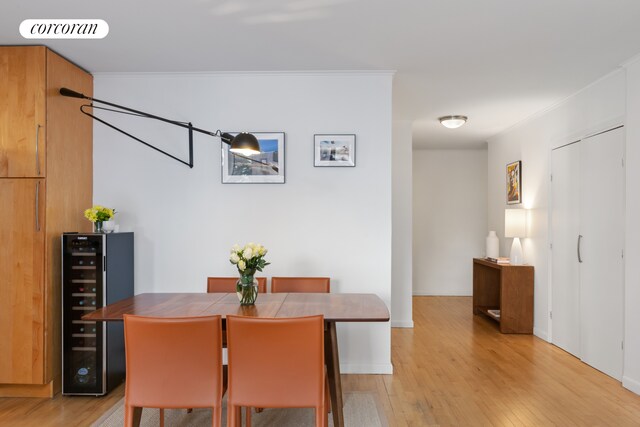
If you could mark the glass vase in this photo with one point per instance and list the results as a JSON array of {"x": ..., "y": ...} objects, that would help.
[
  {"x": 247, "y": 289},
  {"x": 97, "y": 227}
]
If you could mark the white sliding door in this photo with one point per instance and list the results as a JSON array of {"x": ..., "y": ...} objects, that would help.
[
  {"x": 602, "y": 269},
  {"x": 587, "y": 229},
  {"x": 565, "y": 229}
]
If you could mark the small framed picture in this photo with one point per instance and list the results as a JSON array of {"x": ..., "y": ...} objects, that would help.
[
  {"x": 514, "y": 183},
  {"x": 263, "y": 168},
  {"x": 335, "y": 150}
]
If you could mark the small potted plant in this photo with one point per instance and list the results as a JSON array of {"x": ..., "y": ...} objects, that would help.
[
  {"x": 248, "y": 260},
  {"x": 97, "y": 215}
]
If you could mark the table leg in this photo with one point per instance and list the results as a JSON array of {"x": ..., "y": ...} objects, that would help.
[
  {"x": 333, "y": 371},
  {"x": 137, "y": 416}
]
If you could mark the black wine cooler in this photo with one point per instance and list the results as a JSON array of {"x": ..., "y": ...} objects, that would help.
[{"x": 97, "y": 270}]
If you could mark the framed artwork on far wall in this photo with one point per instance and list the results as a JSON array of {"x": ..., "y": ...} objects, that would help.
[
  {"x": 263, "y": 168},
  {"x": 334, "y": 150},
  {"x": 514, "y": 183}
]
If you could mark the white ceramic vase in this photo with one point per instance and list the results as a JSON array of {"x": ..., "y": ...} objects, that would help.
[
  {"x": 493, "y": 245},
  {"x": 108, "y": 226}
]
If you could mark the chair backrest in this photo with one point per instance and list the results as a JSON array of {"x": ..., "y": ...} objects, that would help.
[
  {"x": 301, "y": 284},
  {"x": 228, "y": 284},
  {"x": 173, "y": 362},
  {"x": 276, "y": 362}
]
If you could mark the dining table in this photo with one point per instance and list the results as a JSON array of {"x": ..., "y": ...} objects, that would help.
[{"x": 336, "y": 307}]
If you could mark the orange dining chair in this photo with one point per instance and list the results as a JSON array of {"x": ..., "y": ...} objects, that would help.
[
  {"x": 228, "y": 284},
  {"x": 173, "y": 363},
  {"x": 301, "y": 284},
  {"x": 290, "y": 372}
]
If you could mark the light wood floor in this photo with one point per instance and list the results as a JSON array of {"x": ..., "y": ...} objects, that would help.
[{"x": 452, "y": 369}]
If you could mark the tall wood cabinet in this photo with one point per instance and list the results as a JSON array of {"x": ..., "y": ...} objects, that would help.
[{"x": 46, "y": 181}]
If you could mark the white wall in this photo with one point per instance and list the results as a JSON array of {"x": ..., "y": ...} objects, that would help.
[
  {"x": 324, "y": 221},
  {"x": 401, "y": 268},
  {"x": 594, "y": 108},
  {"x": 631, "y": 375},
  {"x": 449, "y": 219}
]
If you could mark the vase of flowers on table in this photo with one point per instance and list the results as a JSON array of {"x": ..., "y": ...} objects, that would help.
[
  {"x": 97, "y": 215},
  {"x": 248, "y": 259}
]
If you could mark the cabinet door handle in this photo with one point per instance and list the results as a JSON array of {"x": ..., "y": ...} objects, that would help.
[
  {"x": 37, "y": 154},
  {"x": 579, "y": 246},
  {"x": 37, "y": 206}
]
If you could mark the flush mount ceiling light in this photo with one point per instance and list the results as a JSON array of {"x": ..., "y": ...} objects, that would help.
[{"x": 453, "y": 122}]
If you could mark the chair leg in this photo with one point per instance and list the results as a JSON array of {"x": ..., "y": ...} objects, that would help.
[
  {"x": 232, "y": 415},
  {"x": 216, "y": 417},
  {"x": 128, "y": 415},
  {"x": 248, "y": 415},
  {"x": 161, "y": 417},
  {"x": 322, "y": 420}
]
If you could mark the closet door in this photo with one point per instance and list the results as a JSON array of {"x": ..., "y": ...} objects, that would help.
[
  {"x": 565, "y": 184},
  {"x": 601, "y": 269}
]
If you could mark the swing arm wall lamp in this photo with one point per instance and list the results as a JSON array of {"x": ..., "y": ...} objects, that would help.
[{"x": 243, "y": 144}]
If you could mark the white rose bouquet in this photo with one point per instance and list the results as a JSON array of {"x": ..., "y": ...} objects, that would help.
[{"x": 248, "y": 260}]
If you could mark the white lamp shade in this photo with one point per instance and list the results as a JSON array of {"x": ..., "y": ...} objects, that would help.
[{"x": 515, "y": 223}]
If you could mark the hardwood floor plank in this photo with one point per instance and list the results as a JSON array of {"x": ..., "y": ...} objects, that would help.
[{"x": 452, "y": 369}]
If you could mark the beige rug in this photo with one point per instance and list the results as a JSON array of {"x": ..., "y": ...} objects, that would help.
[{"x": 360, "y": 409}]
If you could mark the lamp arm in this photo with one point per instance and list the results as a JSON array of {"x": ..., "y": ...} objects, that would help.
[{"x": 224, "y": 137}]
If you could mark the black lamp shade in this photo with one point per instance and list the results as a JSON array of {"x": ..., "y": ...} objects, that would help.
[{"x": 245, "y": 142}]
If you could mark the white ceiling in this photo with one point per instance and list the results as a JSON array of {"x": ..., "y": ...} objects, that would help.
[{"x": 496, "y": 61}]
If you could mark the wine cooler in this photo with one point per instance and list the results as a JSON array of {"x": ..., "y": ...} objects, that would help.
[{"x": 97, "y": 270}]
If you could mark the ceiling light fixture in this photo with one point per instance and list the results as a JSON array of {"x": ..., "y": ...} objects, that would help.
[{"x": 452, "y": 122}]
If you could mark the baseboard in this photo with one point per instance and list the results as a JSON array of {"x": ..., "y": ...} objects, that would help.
[
  {"x": 631, "y": 385},
  {"x": 346, "y": 368},
  {"x": 541, "y": 333},
  {"x": 448, "y": 294},
  {"x": 27, "y": 390},
  {"x": 402, "y": 323}
]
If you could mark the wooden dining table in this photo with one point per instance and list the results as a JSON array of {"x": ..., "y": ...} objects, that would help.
[{"x": 334, "y": 307}]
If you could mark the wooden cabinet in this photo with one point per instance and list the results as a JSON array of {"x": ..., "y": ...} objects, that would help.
[
  {"x": 21, "y": 286},
  {"x": 508, "y": 288},
  {"x": 22, "y": 111},
  {"x": 38, "y": 201}
]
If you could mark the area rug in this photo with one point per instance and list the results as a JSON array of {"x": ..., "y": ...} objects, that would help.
[{"x": 360, "y": 409}]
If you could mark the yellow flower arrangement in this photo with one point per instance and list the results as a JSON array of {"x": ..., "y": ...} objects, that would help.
[{"x": 99, "y": 213}]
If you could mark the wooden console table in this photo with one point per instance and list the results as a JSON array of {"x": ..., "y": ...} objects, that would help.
[{"x": 504, "y": 287}]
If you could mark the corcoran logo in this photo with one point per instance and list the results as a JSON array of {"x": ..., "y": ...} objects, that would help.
[{"x": 64, "y": 29}]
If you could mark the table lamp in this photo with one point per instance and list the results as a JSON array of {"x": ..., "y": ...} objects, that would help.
[{"x": 515, "y": 225}]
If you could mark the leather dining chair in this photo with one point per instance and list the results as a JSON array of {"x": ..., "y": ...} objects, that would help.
[
  {"x": 301, "y": 284},
  {"x": 290, "y": 373},
  {"x": 173, "y": 363},
  {"x": 228, "y": 284}
]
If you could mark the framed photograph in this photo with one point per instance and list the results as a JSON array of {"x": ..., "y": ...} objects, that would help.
[
  {"x": 514, "y": 183},
  {"x": 263, "y": 168},
  {"x": 335, "y": 150}
]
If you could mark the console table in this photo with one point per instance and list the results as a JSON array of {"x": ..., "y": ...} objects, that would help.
[{"x": 504, "y": 287}]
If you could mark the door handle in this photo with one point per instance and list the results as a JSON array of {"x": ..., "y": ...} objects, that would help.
[
  {"x": 579, "y": 246},
  {"x": 37, "y": 154},
  {"x": 37, "y": 206}
]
